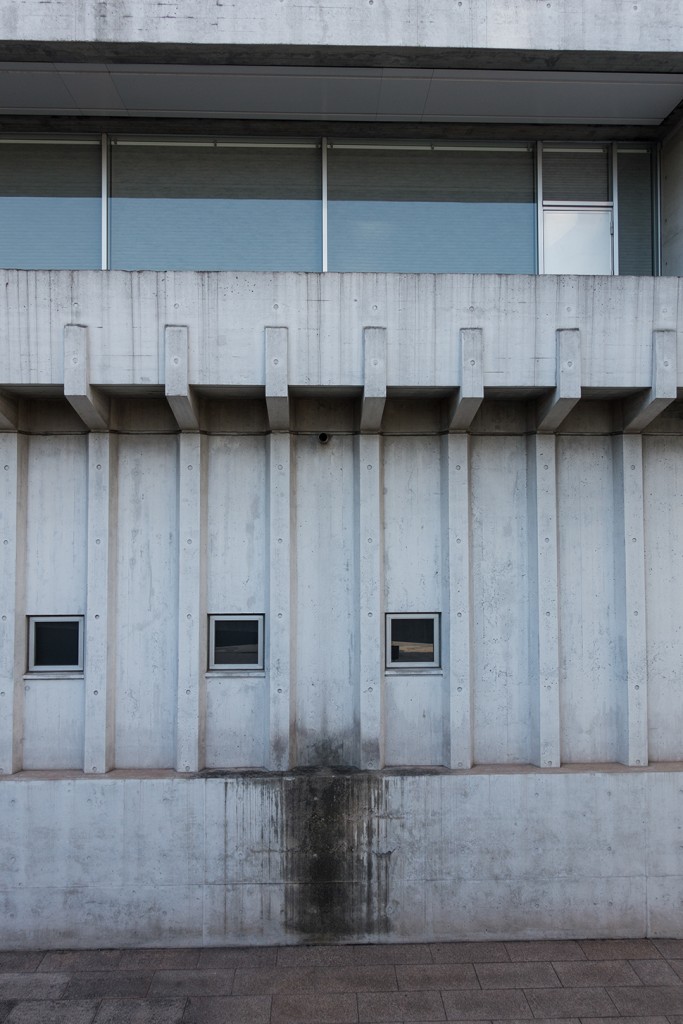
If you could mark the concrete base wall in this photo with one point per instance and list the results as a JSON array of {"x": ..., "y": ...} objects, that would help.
[{"x": 351, "y": 857}]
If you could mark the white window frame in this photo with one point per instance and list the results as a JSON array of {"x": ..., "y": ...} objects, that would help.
[
  {"x": 236, "y": 666},
  {"x": 32, "y": 620},
  {"x": 412, "y": 666}
]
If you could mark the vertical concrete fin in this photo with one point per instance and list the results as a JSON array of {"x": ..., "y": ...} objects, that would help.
[
  {"x": 374, "y": 378},
  {"x": 457, "y": 621},
  {"x": 12, "y": 604},
  {"x": 544, "y": 654},
  {"x": 554, "y": 408},
  {"x": 465, "y": 404},
  {"x": 9, "y": 412},
  {"x": 370, "y": 593},
  {"x": 279, "y": 618},
  {"x": 100, "y": 636},
  {"x": 641, "y": 410},
  {"x": 277, "y": 373},
  {"x": 629, "y": 540},
  {"x": 191, "y": 629},
  {"x": 179, "y": 395},
  {"x": 91, "y": 406}
]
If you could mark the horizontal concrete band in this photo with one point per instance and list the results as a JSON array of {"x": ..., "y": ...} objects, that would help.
[
  {"x": 321, "y": 856},
  {"x": 610, "y": 26},
  {"x": 125, "y": 329}
]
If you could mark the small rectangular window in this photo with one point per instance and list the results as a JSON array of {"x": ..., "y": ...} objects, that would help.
[
  {"x": 55, "y": 643},
  {"x": 235, "y": 641},
  {"x": 412, "y": 640}
]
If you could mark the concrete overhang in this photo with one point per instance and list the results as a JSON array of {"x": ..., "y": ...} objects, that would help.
[{"x": 322, "y": 93}]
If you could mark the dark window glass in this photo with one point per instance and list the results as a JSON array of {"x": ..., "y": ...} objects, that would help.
[
  {"x": 576, "y": 175},
  {"x": 56, "y": 644},
  {"x": 412, "y": 640},
  {"x": 635, "y": 212},
  {"x": 216, "y": 208},
  {"x": 50, "y": 206},
  {"x": 236, "y": 642},
  {"x": 432, "y": 211}
]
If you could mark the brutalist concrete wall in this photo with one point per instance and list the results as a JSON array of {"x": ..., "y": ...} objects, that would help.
[
  {"x": 525, "y": 25},
  {"x": 350, "y": 857}
]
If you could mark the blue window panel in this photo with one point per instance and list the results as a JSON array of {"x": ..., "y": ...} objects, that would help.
[
  {"x": 432, "y": 237},
  {"x": 216, "y": 234},
  {"x": 50, "y": 233}
]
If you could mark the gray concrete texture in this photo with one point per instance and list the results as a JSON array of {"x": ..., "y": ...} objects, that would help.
[
  {"x": 611, "y": 25},
  {"x": 570, "y": 982}
]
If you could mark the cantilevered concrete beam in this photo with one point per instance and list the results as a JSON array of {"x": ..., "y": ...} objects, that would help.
[
  {"x": 553, "y": 409},
  {"x": 277, "y": 390},
  {"x": 87, "y": 401},
  {"x": 178, "y": 392},
  {"x": 464, "y": 406},
  {"x": 640, "y": 410},
  {"x": 9, "y": 412},
  {"x": 374, "y": 377}
]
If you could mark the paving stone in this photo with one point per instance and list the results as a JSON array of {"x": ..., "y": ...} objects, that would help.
[
  {"x": 192, "y": 983},
  {"x": 571, "y": 1002},
  {"x": 403, "y": 1006},
  {"x": 677, "y": 968},
  {"x": 317, "y": 1008},
  {"x": 140, "y": 1011},
  {"x": 595, "y": 973},
  {"x": 560, "y": 949},
  {"x": 20, "y": 960},
  {"x": 158, "y": 959},
  {"x": 672, "y": 949},
  {"x": 223, "y": 957},
  {"x": 49, "y": 1011},
  {"x": 112, "y": 983},
  {"x": 312, "y": 956},
  {"x": 629, "y": 1020},
  {"x": 435, "y": 976},
  {"x": 554, "y": 1020},
  {"x": 314, "y": 979},
  {"x": 502, "y": 1004},
  {"x": 82, "y": 960},
  {"x": 228, "y": 1010},
  {"x": 5, "y": 1008},
  {"x": 355, "y": 979},
  {"x": 657, "y": 972},
  {"x": 652, "y": 999},
  {"x": 469, "y": 952},
  {"x": 619, "y": 949},
  {"x": 268, "y": 980},
  {"x": 392, "y": 953},
  {"x": 524, "y": 975},
  {"x": 32, "y": 986}
]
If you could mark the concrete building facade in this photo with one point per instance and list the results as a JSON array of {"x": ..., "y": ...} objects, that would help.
[{"x": 342, "y": 460}]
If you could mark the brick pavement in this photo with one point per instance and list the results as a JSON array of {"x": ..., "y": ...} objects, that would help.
[{"x": 557, "y": 982}]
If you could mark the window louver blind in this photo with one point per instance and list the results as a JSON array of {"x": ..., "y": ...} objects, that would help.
[
  {"x": 215, "y": 208},
  {"x": 635, "y": 213},
  {"x": 50, "y": 206}
]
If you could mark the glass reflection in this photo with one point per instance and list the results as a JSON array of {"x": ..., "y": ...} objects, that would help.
[
  {"x": 50, "y": 206},
  {"x": 216, "y": 208},
  {"x": 432, "y": 211}
]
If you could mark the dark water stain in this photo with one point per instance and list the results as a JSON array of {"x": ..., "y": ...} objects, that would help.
[{"x": 336, "y": 863}]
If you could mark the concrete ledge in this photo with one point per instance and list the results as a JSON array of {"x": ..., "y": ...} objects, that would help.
[{"x": 225, "y": 317}]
